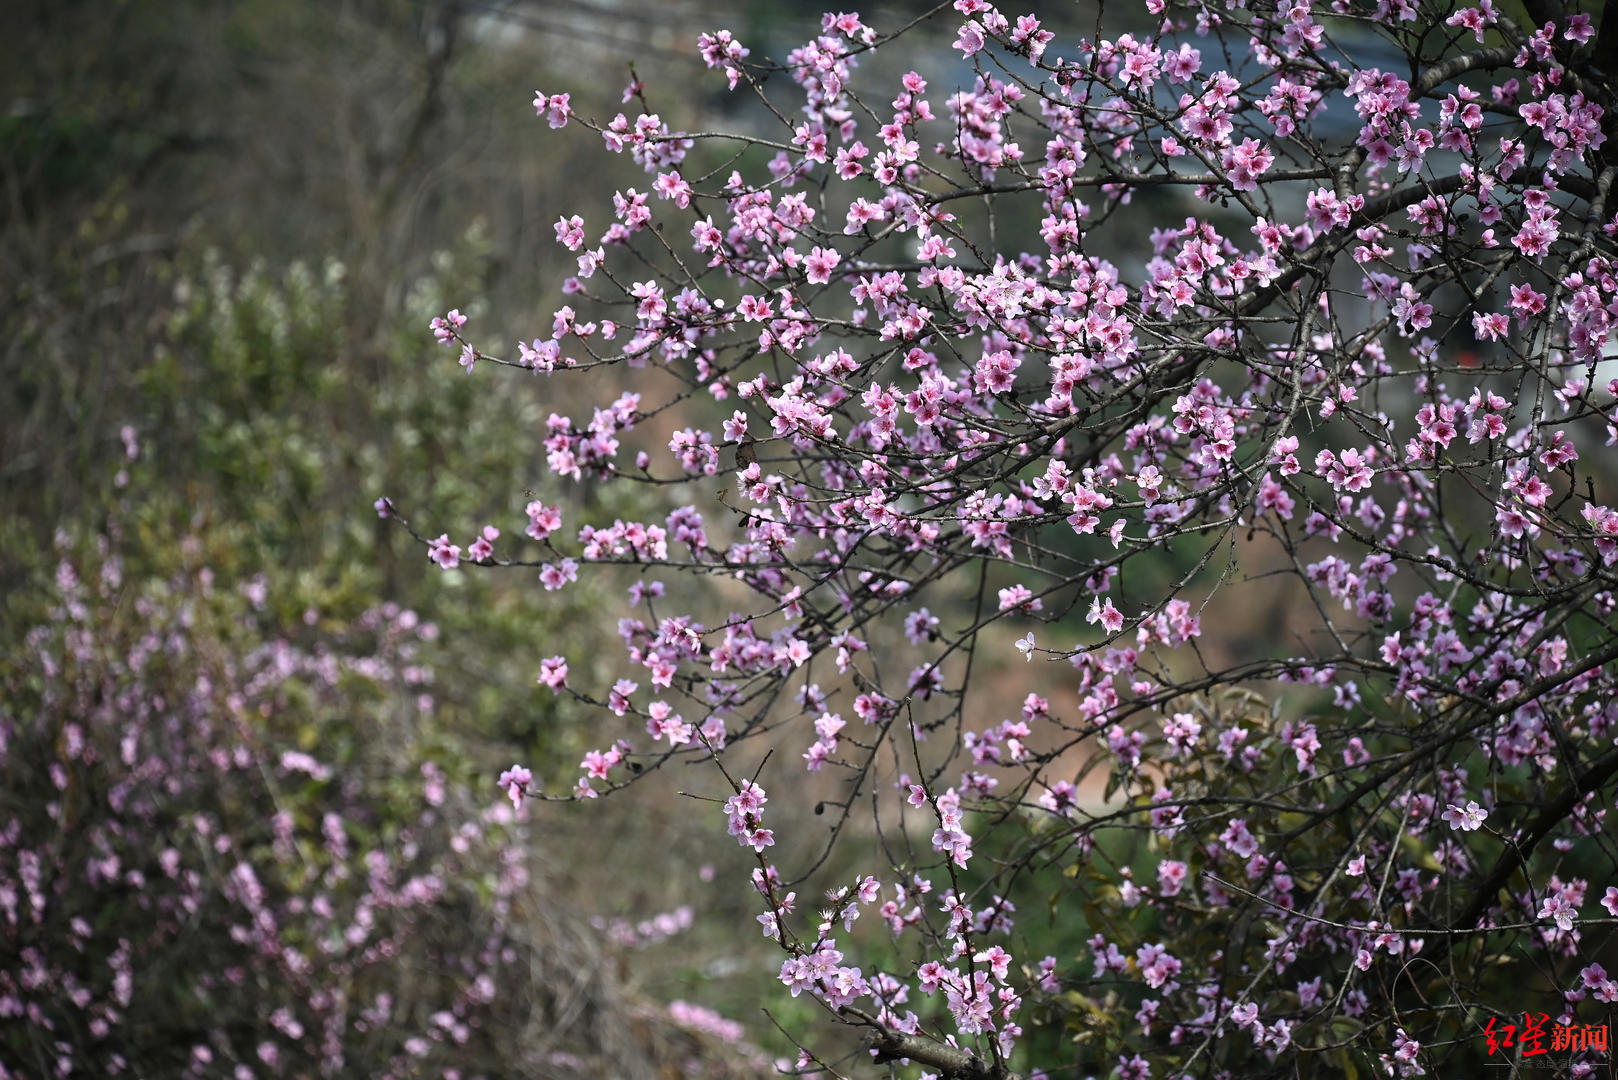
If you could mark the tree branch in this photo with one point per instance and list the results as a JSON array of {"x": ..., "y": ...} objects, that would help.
[
  {"x": 1515, "y": 855},
  {"x": 952, "y": 1062}
]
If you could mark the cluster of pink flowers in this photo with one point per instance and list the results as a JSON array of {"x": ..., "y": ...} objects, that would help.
[
  {"x": 645, "y": 932},
  {"x": 912, "y": 410},
  {"x": 447, "y": 328},
  {"x": 515, "y": 782},
  {"x": 745, "y": 809},
  {"x": 194, "y": 802}
]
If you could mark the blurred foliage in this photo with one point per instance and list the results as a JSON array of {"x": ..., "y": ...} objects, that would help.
[
  {"x": 264, "y": 432},
  {"x": 135, "y": 137},
  {"x": 235, "y": 838}
]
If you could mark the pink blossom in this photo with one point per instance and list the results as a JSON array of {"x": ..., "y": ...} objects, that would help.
[
  {"x": 516, "y": 781},
  {"x": 542, "y": 520},
  {"x": 820, "y": 263},
  {"x": 1240, "y": 841},
  {"x": 553, "y": 672},
  {"x": 1025, "y": 646},
  {"x": 1103, "y": 611},
  {"x": 570, "y": 232},
  {"x": 970, "y": 39},
  {"x": 447, "y": 327},
  {"x": 1558, "y": 910},
  {"x": 555, "y": 575},
  {"x": 1467, "y": 819},
  {"x": 444, "y": 553},
  {"x": 556, "y": 108}
]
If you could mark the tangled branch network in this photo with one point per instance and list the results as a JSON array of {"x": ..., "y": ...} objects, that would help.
[{"x": 1248, "y": 369}]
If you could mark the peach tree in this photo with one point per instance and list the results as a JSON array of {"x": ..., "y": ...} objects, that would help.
[{"x": 1147, "y": 488}]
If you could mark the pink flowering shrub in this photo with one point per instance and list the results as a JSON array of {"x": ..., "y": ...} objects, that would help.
[
  {"x": 227, "y": 851},
  {"x": 1302, "y": 495},
  {"x": 232, "y": 848},
  {"x": 243, "y": 823}
]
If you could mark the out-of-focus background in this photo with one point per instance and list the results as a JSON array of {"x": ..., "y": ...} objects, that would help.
[{"x": 247, "y": 734}]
